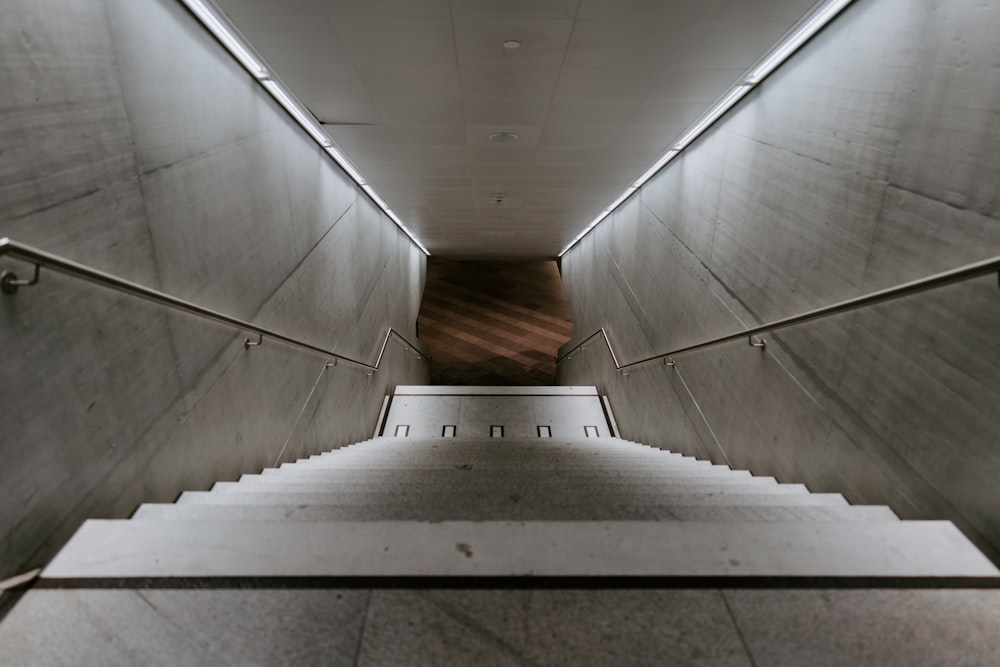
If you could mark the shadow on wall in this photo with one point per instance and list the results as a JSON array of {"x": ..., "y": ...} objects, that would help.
[
  {"x": 493, "y": 323},
  {"x": 794, "y": 201}
]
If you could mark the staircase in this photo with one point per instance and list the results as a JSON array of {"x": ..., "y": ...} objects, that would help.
[{"x": 552, "y": 499}]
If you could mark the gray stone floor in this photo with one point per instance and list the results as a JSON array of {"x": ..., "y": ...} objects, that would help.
[{"x": 512, "y": 627}]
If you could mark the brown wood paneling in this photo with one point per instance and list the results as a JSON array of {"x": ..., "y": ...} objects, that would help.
[{"x": 493, "y": 323}]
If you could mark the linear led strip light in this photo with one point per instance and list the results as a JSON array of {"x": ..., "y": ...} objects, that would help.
[
  {"x": 812, "y": 23},
  {"x": 216, "y": 23}
]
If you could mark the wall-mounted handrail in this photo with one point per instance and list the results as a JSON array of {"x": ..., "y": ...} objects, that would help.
[
  {"x": 9, "y": 284},
  {"x": 981, "y": 268}
]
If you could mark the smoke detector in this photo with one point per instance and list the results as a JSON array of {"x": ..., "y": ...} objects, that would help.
[{"x": 504, "y": 137}]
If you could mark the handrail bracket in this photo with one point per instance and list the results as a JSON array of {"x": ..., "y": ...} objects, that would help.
[
  {"x": 760, "y": 342},
  {"x": 247, "y": 343},
  {"x": 9, "y": 282}
]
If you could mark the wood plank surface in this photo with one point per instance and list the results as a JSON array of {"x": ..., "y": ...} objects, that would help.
[{"x": 493, "y": 323}]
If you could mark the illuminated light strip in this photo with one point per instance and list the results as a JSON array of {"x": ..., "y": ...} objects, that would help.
[
  {"x": 621, "y": 198},
  {"x": 346, "y": 165},
  {"x": 293, "y": 107},
  {"x": 799, "y": 36},
  {"x": 655, "y": 167},
  {"x": 719, "y": 109},
  {"x": 229, "y": 37},
  {"x": 376, "y": 197},
  {"x": 587, "y": 229},
  {"x": 209, "y": 16},
  {"x": 416, "y": 241},
  {"x": 815, "y": 21}
]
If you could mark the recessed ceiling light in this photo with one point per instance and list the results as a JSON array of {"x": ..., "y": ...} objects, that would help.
[
  {"x": 512, "y": 44},
  {"x": 504, "y": 137}
]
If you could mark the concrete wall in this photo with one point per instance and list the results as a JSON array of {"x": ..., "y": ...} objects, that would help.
[
  {"x": 871, "y": 158},
  {"x": 130, "y": 141}
]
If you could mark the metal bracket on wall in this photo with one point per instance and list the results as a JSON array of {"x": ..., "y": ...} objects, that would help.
[
  {"x": 9, "y": 282},
  {"x": 760, "y": 342},
  {"x": 247, "y": 343},
  {"x": 670, "y": 362}
]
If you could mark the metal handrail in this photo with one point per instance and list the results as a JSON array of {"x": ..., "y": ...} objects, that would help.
[
  {"x": 9, "y": 284},
  {"x": 959, "y": 274}
]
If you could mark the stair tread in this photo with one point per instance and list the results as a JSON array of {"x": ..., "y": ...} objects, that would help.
[
  {"x": 687, "y": 497},
  {"x": 137, "y": 548},
  {"x": 448, "y": 512},
  {"x": 569, "y": 469},
  {"x": 462, "y": 476},
  {"x": 627, "y": 489}
]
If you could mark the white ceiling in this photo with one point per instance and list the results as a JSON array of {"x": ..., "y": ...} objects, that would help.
[{"x": 412, "y": 89}]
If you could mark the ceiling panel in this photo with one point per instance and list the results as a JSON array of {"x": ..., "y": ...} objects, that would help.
[
  {"x": 539, "y": 9},
  {"x": 499, "y": 82},
  {"x": 625, "y": 43},
  {"x": 739, "y": 11},
  {"x": 481, "y": 41},
  {"x": 704, "y": 84},
  {"x": 389, "y": 8},
  {"x": 410, "y": 82},
  {"x": 673, "y": 10},
  {"x": 393, "y": 39},
  {"x": 574, "y": 134},
  {"x": 605, "y": 83},
  {"x": 507, "y": 112},
  {"x": 413, "y": 89},
  {"x": 315, "y": 42},
  {"x": 724, "y": 42}
]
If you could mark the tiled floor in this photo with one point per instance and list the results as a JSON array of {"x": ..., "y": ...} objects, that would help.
[
  {"x": 493, "y": 323},
  {"x": 503, "y": 627}
]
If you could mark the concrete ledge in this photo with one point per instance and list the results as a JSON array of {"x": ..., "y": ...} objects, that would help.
[
  {"x": 450, "y": 390},
  {"x": 470, "y": 549}
]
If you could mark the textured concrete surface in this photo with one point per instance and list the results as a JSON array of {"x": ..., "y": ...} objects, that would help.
[
  {"x": 133, "y": 143},
  {"x": 566, "y": 416},
  {"x": 493, "y": 537},
  {"x": 513, "y": 511},
  {"x": 867, "y": 160},
  {"x": 504, "y": 627},
  {"x": 152, "y": 548}
]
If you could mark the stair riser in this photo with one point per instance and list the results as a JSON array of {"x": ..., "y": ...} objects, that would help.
[
  {"x": 397, "y": 501},
  {"x": 500, "y": 458},
  {"x": 193, "y": 512},
  {"x": 455, "y": 474},
  {"x": 545, "y": 548}
]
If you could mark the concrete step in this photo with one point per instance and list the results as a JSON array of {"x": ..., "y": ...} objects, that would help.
[
  {"x": 500, "y": 459},
  {"x": 459, "y": 474},
  {"x": 492, "y": 390},
  {"x": 154, "y": 549},
  {"x": 499, "y": 503},
  {"x": 591, "y": 494},
  {"x": 568, "y": 488},
  {"x": 514, "y": 511},
  {"x": 511, "y": 444},
  {"x": 493, "y": 468},
  {"x": 508, "y": 459}
]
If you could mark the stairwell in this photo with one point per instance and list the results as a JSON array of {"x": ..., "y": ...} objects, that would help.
[{"x": 479, "y": 516}]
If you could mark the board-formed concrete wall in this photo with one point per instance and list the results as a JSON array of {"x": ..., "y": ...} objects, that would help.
[
  {"x": 130, "y": 141},
  {"x": 869, "y": 159}
]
